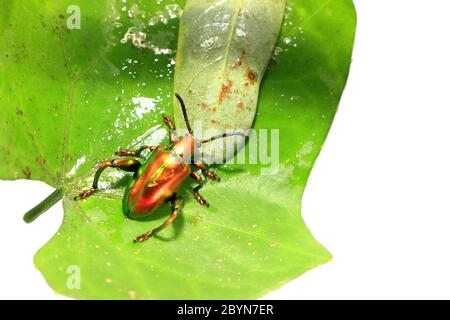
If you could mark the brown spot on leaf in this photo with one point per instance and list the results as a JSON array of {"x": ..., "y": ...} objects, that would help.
[
  {"x": 226, "y": 88},
  {"x": 40, "y": 160},
  {"x": 239, "y": 60},
  {"x": 19, "y": 112},
  {"x": 204, "y": 105},
  {"x": 27, "y": 173},
  {"x": 240, "y": 106},
  {"x": 214, "y": 109},
  {"x": 68, "y": 157},
  {"x": 214, "y": 121},
  {"x": 61, "y": 16},
  {"x": 237, "y": 63},
  {"x": 252, "y": 76}
]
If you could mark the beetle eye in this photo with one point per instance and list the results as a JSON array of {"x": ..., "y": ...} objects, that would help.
[{"x": 181, "y": 154}]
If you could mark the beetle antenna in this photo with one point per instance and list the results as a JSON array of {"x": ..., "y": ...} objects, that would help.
[
  {"x": 224, "y": 135},
  {"x": 185, "y": 115}
]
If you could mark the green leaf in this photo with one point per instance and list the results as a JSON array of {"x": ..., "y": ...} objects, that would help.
[
  {"x": 71, "y": 97},
  {"x": 223, "y": 52}
]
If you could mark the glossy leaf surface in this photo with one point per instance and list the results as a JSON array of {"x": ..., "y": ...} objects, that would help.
[{"x": 223, "y": 51}]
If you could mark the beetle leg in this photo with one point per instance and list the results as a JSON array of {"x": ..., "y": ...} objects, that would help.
[
  {"x": 211, "y": 175},
  {"x": 130, "y": 165},
  {"x": 177, "y": 204},
  {"x": 197, "y": 195},
  {"x": 169, "y": 123},
  {"x": 135, "y": 153}
]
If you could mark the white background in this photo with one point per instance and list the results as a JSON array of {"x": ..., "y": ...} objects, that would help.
[{"x": 378, "y": 197}]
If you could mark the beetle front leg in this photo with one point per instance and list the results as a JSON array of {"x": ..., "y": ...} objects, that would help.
[
  {"x": 130, "y": 165},
  {"x": 169, "y": 123},
  {"x": 211, "y": 175},
  {"x": 177, "y": 204},
  {"x": 135, "y": 153},
  {"x": 197, "y": 195}
]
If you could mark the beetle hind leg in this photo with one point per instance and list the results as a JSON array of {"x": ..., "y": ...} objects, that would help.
[
  {"x": 177, "y": 204},
  {"x": 130, "y": 165}
]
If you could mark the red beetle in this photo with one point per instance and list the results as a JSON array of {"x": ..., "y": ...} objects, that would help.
[{"x": 160, "y": 177}]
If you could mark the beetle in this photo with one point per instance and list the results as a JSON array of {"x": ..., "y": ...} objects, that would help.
[{"x": 158, "y": 179}]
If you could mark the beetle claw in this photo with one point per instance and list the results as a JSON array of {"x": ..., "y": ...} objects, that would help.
[
  {"x": 200, "y": 199},
  {"x": 84, "y": 194},
  {"x": 144, "y": 237}
]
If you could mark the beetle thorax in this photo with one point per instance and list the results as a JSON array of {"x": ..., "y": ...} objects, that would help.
[{"x": 185, "y": 146}]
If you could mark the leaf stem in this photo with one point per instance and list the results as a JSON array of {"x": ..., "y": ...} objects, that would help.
[{"x": 46, "y": 204}]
